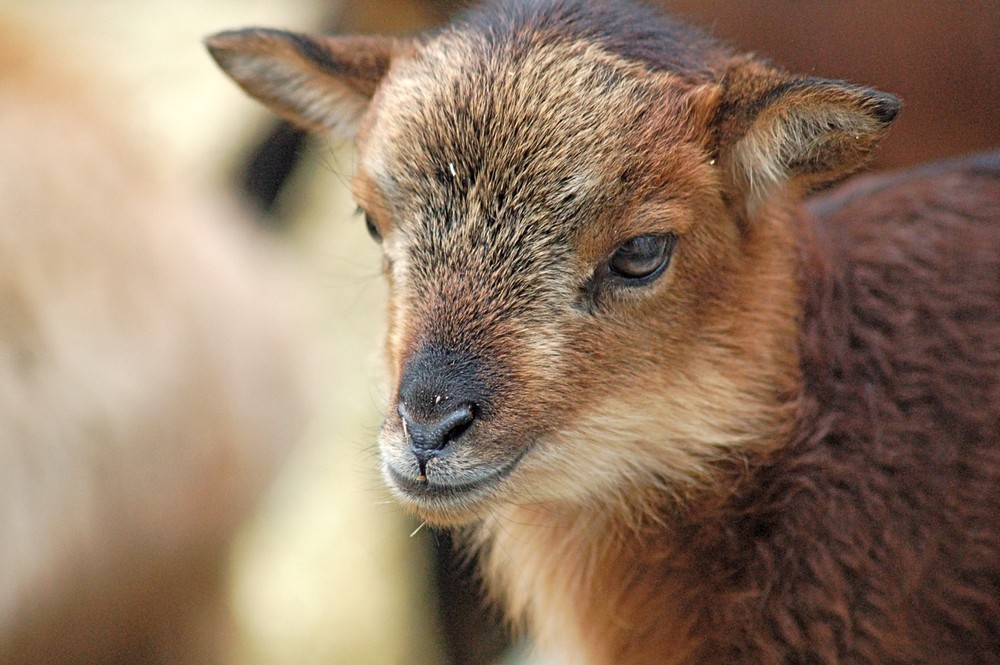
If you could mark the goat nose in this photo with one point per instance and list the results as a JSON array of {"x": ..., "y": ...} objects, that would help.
[{"x": 430, "y": 434}]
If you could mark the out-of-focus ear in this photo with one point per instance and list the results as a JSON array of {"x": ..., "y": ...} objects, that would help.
[
  {"x": 775, "y": 130},
  {"x": 320, "y": 83}
]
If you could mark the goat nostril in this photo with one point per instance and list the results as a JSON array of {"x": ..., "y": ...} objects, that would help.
[
  {"x": 434, "y": 432},
  {"x": 456, "y": 422}
]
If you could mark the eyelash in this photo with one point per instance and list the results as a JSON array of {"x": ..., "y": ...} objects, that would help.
[
  {"x": 652, "y": 251},
  {"x": 373, "y": 230},
  {"x": 605, "y": 279}
]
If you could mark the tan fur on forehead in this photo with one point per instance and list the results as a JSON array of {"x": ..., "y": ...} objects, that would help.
[{"x": 539, "y": 114}]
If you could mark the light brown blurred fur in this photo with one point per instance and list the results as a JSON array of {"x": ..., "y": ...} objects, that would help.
[{"x": 151, "y": 378}]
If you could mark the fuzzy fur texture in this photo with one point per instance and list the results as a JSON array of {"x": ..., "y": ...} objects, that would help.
[{"x": 782, "y": 448}]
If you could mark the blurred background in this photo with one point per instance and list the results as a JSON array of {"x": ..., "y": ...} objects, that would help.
[{"x": 311, "y": 562}]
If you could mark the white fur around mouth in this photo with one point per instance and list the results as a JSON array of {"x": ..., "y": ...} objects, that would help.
[{"x": 430, "y": 491}]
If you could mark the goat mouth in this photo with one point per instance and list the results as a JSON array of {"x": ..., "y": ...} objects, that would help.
[{"x": 431, "y": 493}]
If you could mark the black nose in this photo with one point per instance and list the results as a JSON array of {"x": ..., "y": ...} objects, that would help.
[
  {"x": 432, "y": 433},
  {"x": 440, "y": 395}
]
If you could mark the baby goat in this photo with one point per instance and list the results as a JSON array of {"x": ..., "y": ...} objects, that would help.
[{"x": 684, "y": 417}]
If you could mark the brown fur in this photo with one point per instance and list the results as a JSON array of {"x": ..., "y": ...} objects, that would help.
[
  {"x": 763, "y": 455},
  {"x": 151, "y": 378}
]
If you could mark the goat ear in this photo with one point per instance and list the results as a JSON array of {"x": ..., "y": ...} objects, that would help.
[
  {"x": 774, "y": 130},
  {"x": 320, "y": 83}
]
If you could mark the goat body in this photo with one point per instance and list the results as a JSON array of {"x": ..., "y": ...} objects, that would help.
[
  {"x": 868, "y": 535},
  {"x": 683, "y": 417}
]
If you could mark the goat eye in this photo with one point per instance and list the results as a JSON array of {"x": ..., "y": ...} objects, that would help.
[
  {"x": 642, "y": 258},
  {"x": 370, "y": 225}
]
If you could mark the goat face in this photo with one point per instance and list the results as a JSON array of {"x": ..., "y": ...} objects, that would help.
[
  {"x": 550, "y": 237},
  {"x": 585, "y": 294}
]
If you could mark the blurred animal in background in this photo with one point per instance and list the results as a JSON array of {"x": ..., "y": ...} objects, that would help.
[
  {"x": 153, "y": 373},
  {"x": 685, "y": 416}
]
